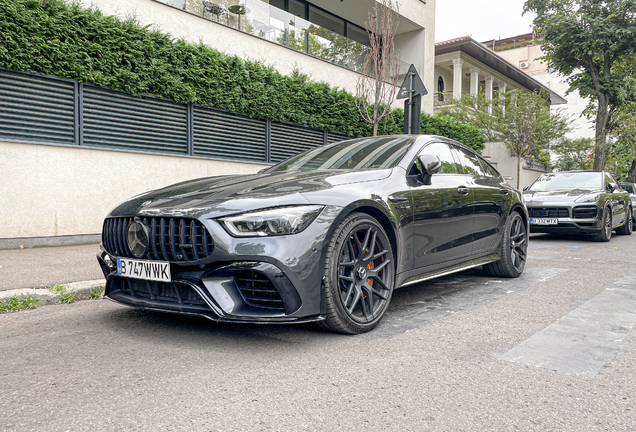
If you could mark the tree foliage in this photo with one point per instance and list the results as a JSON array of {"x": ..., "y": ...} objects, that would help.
[
  {"x": 522, "y": 120},
  {"x": 574, "y": 154},
  {"x": 583, "y": 39}
]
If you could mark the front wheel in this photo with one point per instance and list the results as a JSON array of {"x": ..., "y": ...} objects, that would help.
[
  {"x": 359, "y": 275},
  {"x": 605, "y": 233},
  {"x": 628, "y": 226},
  {"x": 514, "y": 249}
]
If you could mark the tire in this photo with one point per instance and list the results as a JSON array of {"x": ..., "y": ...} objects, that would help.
[
  {"x": 359, "y": 276},
  {"x": 605, "y": 233},
  {"x": 628, "y": 226},
  {"x": 514, "y": 247}
]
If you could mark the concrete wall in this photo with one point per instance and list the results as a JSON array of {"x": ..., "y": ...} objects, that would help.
[
  {"x": 502, "y": 159},
  {"x": 56, "y": 191},
  {"x": 528, "y": 54}
]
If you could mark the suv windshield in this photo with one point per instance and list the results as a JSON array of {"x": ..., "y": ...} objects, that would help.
[
  {"x": 363, "y": 153},
  {"x": 568, "y": 180}
]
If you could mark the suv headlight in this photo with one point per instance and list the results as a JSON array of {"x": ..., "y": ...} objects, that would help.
[
  {"x": 587, "y": 199},
  {"x": 278, "y": 221}
]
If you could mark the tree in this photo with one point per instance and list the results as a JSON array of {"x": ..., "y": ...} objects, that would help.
[
  {"x": 377, "y": 87},
  {"x": 574, "y": 154},
  {"x": 522, "y": 120},
  {"x": 583, "y": 39}
]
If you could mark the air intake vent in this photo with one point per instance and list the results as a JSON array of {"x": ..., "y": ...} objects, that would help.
[
  {"x": 258, "y": 290},
  {"x": 549, "y": 212},
  {"x": 168, "y": 292},
  {"x": 171, "y": 239},
  {"x": 584, "y": 212}
]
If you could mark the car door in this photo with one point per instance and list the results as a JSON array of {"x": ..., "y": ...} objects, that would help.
[
  {"x": 492, "y": 198},
  {"x": 442, "y": 212},
  {"x": 617, "y": 198}
]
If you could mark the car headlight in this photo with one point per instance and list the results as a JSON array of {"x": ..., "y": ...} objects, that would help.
[
  {"x": 587, "y": 199},
  {"x": 279, "y": 221}
]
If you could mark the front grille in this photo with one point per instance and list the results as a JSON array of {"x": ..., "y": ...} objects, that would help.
[
  {"x": 171, "y": 239},
  {"x": 169, "y": 292},
  {"x": 548, "y": 212},
  {"x": 584, "y": 212},
  {"x": 258, "y": 290}
]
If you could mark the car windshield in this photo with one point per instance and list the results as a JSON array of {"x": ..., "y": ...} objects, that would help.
[
  {"x": 568, "y": 180},
  {"x": 628, "y": 187},
  {"x": 363, "y": 153}
]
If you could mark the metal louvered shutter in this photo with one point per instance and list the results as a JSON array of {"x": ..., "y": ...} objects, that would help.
[
  {"x": 36, "y": 108},
  {"x": 333, "y": 137},
  {"x": 288, "y": 140},
  {"x": 124, "y": 122},
  {"x": 223, "y": 135}
]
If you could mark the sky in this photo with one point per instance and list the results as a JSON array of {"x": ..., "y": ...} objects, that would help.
[{"x": 483, "y": 20}]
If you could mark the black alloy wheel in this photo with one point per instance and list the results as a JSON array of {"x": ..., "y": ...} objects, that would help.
[
  {"x": 605, "y": 233},
  {"x": 628, "y": 226},
  {"x": 514, "y": 249},
  {"x": 359, "y": 275}
]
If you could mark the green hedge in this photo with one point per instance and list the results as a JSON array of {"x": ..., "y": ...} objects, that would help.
[{"x": 68, "y": 40}]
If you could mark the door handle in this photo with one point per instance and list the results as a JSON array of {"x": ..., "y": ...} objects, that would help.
[
  {"x": 504, "y": 191},
  {"x": 398, "y": 198},
  {"x": 462, "y": 190}
]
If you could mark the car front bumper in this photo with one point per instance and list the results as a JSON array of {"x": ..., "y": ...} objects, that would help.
[
  {"x": 250, "y": 280},
  {"x": 567, "y": 224}
]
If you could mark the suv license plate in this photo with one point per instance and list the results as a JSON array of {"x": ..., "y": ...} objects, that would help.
[
  {"x": 143, "y": 269},
  {"x": 543, "y": 221}
]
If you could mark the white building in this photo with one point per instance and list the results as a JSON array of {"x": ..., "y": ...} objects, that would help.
[
  {"x": 463, "y": 65},
  {"x": 56, "y": 193}
]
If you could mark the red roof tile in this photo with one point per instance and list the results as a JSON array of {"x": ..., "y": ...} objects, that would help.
[{"x": 453, "y": 40}]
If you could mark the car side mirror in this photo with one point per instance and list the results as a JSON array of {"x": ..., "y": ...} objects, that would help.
[
  {"x": 611, "y": 187},
  {"x": 429, "y": 165},
  {"x": 525, "y": 188}
]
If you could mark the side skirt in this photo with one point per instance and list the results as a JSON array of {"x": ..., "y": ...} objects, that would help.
[{"x": 454, "y": 269}]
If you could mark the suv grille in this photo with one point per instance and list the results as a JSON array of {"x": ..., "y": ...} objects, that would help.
[
  {"x": 169, "y": 292},
  {"x": 584, "y": 212},
  {"x": 258, "y": 290},
  {"x": 554, "y": 212},
  {"x": 171, "y": 239}
]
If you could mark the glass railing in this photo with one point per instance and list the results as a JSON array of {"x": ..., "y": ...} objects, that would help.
[{"x": 265, "y": 21}]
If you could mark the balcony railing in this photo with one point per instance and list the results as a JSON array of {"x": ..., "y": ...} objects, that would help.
[{"x": 268, "y": 22}]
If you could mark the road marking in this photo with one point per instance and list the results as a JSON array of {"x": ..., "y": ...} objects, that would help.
[
  {"x": 438, "y": 299},
  {"x": 595, "y": 261},
  {"x": 585, "y": 339},
  {"x": 550, "y": 244}
]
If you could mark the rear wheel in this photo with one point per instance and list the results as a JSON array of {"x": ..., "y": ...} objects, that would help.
[
  {"x": 514, "y": 247},
  {"x": 359, "y": 276},
  {"x": 605, "y": 233},
  {"x": 628, "y": 226}
]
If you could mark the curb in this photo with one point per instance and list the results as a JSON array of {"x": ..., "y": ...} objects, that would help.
[{"x": 82, "y": 289}]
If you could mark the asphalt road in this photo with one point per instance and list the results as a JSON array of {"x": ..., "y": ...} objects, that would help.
[{"x": 554, "y": 350}]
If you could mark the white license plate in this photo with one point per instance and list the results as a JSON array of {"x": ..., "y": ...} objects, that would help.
[
  {"x": 143, "y": 269},
  {"x": 544, "y": 221}
]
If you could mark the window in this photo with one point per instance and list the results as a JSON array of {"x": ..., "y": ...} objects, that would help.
[
  {"x": 440, "y": 88},
  {"x": 489, "y": 169},
  {"x": 443, "y": 152},
  {"x": 470, "y": 162}
]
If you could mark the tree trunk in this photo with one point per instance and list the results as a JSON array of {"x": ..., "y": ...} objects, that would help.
[
  {"x": 375, "y": 129},
  {"x": 601, "y": 127},
  {"x": 518, "y": 171},
  {"x": 631, "y": 174}
]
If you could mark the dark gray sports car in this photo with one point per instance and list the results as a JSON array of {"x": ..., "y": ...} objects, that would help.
[
  {"x": 578, "y": 202},
  {"x": 324, "y": 236}
]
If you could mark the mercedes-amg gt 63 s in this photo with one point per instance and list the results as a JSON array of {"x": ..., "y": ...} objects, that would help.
[
  {"x": 324, "y": 236},
  {"x": 579, "y": 202}
]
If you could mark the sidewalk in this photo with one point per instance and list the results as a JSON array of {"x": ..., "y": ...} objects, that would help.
[{"x": 48, "y": 266}]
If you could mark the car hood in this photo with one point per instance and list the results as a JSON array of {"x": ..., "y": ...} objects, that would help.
[
  {"x": 224, "y": 195},
  {"x": 561, "y": 195}
]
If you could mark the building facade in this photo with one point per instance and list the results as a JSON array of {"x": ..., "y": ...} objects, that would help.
[
  {"x": 463, "y": 65},
  {"x": 59, "y": 193}
]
